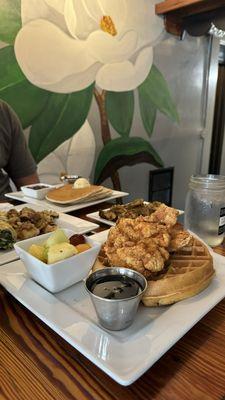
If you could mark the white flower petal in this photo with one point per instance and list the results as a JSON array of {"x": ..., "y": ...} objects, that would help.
[
  {"x": 116, "y": 9},
  {"x": 74, "y": 82},
  {"x": 85, "y": 24},
  {"x": 142, "y": 18},
  {"x": 31, "y": 9},
  {"x": 47, "y": 55},
  {"x": 93, "y": 9},
  {"x": 58, "y": 5},
  {"x": 39, "y": 9},
  {"x": 52, "y": 59},
  {"x": 125, "y": 76},
  {"x": 70, "y": 17},
  {"x": 106, "y": 48},
  {"x": 79, "y": 19}
]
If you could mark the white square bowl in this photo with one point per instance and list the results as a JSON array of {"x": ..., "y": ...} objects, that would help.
[
  {"x": 62, "y": 274},
  {"x": 36, "y": 193}
]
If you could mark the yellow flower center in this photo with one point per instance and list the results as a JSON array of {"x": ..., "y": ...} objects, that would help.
[{"x": 107, "y": 25}]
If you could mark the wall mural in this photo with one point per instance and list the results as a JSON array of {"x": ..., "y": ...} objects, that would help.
[{"x": 60, "y": 54}]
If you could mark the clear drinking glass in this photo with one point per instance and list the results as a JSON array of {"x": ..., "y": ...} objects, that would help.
[{"x": 205, "y": 208}]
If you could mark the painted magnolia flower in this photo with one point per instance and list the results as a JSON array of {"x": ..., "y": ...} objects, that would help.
[{"x": 65, "y": 45}]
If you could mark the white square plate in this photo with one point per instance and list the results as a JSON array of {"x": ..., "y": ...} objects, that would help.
[
  {"x": 65, "y": 221},
  {"x": 63, "y": 208},
  {"x": 96, "y": 217},
  {"x": 123, "y": 355}
]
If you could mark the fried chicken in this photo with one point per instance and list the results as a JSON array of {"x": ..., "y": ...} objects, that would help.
[
  {"x": 26, "y": 230},
  {"x": 130, "y": 210},
  {"x": 143, "y": 243},
  {"x": 165, "y": 215},
  {"x": 3, "y": 216},
  {"x": 27, "y": 214},
  {"x": 179, "y": 238},
  {"x": 13, "y": 216},
  {"x": 28, "y": 222},
  {"x": 49, "y": 228}
]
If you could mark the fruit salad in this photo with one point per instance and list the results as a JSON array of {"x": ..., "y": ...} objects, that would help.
[{"x": 58, "y": 247}]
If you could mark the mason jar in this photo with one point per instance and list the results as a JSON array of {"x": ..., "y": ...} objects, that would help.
[{"x": 205, "y": 208}]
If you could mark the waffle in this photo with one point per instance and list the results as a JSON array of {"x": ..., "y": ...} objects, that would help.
[{"x": 189, "y": 271}]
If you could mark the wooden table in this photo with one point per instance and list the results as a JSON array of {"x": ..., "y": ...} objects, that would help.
[{"x": 35, "y": 363}]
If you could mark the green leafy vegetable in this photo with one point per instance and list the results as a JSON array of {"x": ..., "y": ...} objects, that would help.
[{"x": 7, "y": 236}]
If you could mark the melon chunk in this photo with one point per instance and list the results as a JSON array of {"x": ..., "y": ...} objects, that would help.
[{"x": 58, "y": 236}]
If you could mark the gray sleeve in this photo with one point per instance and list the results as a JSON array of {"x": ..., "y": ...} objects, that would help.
[{"x": 20, "y": 161}]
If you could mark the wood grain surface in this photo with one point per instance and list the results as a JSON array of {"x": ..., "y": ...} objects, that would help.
[
  {"x": 35, "y": 363},
  {"x": 188, "y": 7},
  {"x": 177, "y": 12}
]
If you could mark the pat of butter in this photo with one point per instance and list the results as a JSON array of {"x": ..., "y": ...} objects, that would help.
[{"x": 81, "y": 183}]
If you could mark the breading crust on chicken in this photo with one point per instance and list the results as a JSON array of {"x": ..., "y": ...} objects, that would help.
[{"x": 143, "y": 243}]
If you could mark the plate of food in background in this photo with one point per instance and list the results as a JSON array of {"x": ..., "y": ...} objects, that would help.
[
  {"x": 71, "y": 196},
  {"x": 134, "y": 209},
  {"x": 23, "y": 222}
]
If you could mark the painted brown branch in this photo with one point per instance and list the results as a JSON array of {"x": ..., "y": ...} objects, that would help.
[
  {"x": 100, "y": 98},
  {"x": 105, "y": 130}
]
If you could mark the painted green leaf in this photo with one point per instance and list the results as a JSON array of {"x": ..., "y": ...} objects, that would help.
[
  {"x": 26, "y": 99},
  {"x": 124, "y": 151},
  {"x": 148, "y": 110},
  {"x": 157, "y": 92},
  {"x": 10, "y": 20},
  {"x": 62, "y": 117},
  {"x": 120, "y": 111}
]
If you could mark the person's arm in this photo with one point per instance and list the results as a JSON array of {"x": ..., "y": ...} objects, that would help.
[
  {"x": 21, "y": 166},
  {"x": 26, "y": 180}
]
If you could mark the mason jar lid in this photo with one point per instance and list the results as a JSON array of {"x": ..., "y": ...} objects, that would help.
[{"x": 214, "y": 182}]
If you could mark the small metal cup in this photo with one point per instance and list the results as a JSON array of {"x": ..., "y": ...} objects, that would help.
[
  {"x": 69, "y": 178},
  {"x": 116, "y": 314}
]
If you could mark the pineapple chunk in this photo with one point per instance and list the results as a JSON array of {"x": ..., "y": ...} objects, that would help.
[
  {"x": 38, "y": 252},
  {"x": 60, "y": 251}
]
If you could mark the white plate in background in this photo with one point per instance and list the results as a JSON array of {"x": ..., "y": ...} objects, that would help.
[
  {"x": 65, "y": 221},
  {"x": 61, "y": 208},
  {"x": 95, "y": 216},
  {"x": 123, "y": 355}
]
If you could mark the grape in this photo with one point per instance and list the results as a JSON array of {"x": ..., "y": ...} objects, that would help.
[{"x": 77, "y": 239}]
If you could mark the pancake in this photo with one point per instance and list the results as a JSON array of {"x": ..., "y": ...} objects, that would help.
[
  {"x": 67, "y": 194},
  {"x": 190, "y": 271},
  {"x": 99, "y": 195}
]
